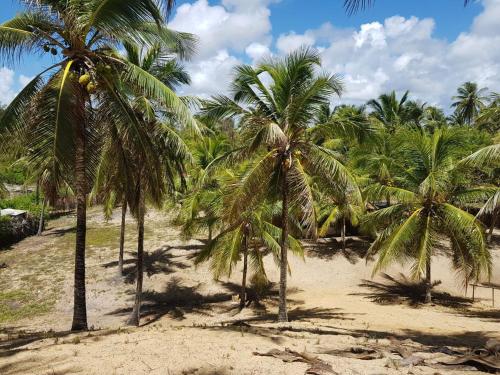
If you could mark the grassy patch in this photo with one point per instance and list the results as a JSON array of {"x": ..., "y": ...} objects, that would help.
[{"x": 19, "y": 304}]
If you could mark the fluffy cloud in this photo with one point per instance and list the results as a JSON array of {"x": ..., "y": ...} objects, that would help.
[
  {"x": 402, "y": 54},
  {"x": 232, "y": 25},
  {"x": 396, "y": 54},
  {"x": 9, "y": 85}
]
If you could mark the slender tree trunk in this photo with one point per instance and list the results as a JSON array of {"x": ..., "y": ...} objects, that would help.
[
  {"x": 37, "y": 192},
  {"x": 80, "y": 306},
  {"x": 343, "y": 233},
  {"x": 209, "y": 232},
  {"x": 243, "y": 294},
  {"x": 492, "y": 226},
  {"x": 282, "y": 312},
  {"x": 388, "y": 200},
  {"x": 136, "y": 311},
  {"x": 122, "y": 237},
  {"x": 41, "y": 222},
  {"x": 428, "y": 286}
]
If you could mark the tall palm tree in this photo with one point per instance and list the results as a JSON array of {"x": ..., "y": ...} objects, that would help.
[
  {"x": 423, "y": 212},
  {"x": 469, "y": 101},
  {"x": 81, "y": 35},
  {"x": 114, "y": 170},
  {"x": 274, "y": 118},
  {"x": 152, "y": 153}
]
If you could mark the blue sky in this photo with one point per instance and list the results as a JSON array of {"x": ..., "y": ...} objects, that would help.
[{"x": 419, "y": 45}]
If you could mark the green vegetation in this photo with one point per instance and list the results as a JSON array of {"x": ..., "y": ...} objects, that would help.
[
  {"x": 273, "y": 161},
  {"x": 20, "y": 304}
]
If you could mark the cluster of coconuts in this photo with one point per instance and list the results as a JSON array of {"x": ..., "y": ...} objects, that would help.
[
  {"x": 48, "y": 48},
  {"x": 86, "y": 81}
]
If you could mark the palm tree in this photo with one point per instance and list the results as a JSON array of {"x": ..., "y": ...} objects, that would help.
[
  {"x": 469, "y": 101},
  {"x": 390, "y": 111},
  {"x": 147, "y": 158},
  {"x": 489, "y": 117},
  {"x": 488, "y": 156},
  {"x": 113, "y": 176},
  {"x": 251, "y": 236},
  {"x": 274, "y": 118},
  {"x": 82, "y": 34},
  {"x": 423, "y": 212},
  {"x": 339, "y": 205}
]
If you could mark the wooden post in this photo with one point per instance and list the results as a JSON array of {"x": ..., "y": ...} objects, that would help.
[
  {"x": 473, "y": 291},
  {"x": 493, "y": 296}
]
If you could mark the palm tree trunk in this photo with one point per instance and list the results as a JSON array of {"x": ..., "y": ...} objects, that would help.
[
  {"x": 37, "y": 192},
  {"x": 209, "y": 232},
  {"x": 428, "y": 286},
  {"x": 282, "y": 311},
  {"x": 136, "y": 311},
  {"x": 122, "y": 237},
  {"x": 41, "y": 222},
  {"x": 80, "y": 305},
  {"x": 492, "y": 226},
  {"x": 343, "y": 233},
  {"x": 243, "y": 294}
]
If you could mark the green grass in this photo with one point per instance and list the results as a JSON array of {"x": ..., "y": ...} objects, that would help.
[{"x": 19, "y": 304}]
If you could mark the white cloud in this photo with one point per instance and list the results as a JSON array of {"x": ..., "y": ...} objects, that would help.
[
  {"x": 212, "y": 75},
  {"x": 257, "y": 51},
  {"x": 7, "y": 91},
  {"x": 402, "y": 54},
  {"x": 291, "y": 41},
  {"x": 233, "y": 25}
]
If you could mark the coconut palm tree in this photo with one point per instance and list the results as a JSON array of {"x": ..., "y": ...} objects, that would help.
[
  {"x": 81, "y": 35},
  {"x": 469, "y": 101},
  {"x": 423, "y": 212},
  {"x": 274, "y": 118},
  {"x": 339, "y": 205},
  {"x": 251, "y": 237},
  {"x": 488, "y": 156},
  {"x": 114, "y": 170},
  {"x": 390, "y": 111}
]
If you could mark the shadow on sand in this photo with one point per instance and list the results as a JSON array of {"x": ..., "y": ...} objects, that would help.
[
  {"x": 331, "y": 248},
  {"x": 397, "y": 290}
]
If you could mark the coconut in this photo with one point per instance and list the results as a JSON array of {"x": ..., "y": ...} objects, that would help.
[
  {"x": 84, "y": 79},
  {"x": 91, "y": 87}
]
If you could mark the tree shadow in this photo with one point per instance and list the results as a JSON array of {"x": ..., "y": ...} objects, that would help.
[
  {"x": 59, "y": 232},
  {"x": 330, "y": 248},
  {"x": 176, "y": 300},
  {"x": 34, "y": 365},
  {"x": 156, "y": 262},
  {"x": 15, "y": 338},
  {"x": 485, "y": 315},
  {"x": 402, "y": 290}
]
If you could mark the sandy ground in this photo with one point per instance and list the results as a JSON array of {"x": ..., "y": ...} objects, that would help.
[{"x": 191, "y": 324}]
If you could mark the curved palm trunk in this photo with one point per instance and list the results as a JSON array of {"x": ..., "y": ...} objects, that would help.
[
  {"x": 122, "y": 237},
  {"x": 136, "y": 311},
  {"x": 428, "y": 286},
  {"x": 492, "y": 226},
  {"x": 243, "y": 293},
  {"x": 282, "y": 311},
  {"x": 343, "y": 233},
  {"x": 41, "y": 222},
  {"x": 80, "y": 305}
]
